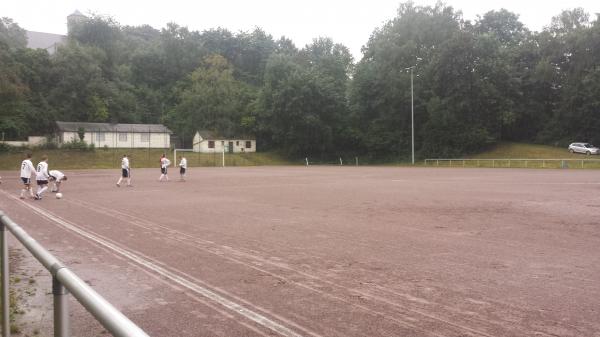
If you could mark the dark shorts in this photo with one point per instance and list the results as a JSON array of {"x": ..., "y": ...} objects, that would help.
[
  {"x": 42, "y": 182},
  {"x": 163, "y": 170},
  {"x": 26, "y": 181},
  {"x": 125, "y": 173},
  {"x": 182, "y": 170}
]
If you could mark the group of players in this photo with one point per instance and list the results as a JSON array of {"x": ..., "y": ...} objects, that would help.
[
  {"x": 42, "y": 177},
  {"x": 164, "y": 165}
]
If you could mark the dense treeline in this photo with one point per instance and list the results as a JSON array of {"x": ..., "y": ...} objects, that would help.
[{"x": 475, "y": 83}]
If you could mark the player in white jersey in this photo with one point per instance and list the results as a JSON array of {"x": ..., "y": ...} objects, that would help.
[
  {"x": 182, "y": 168},
  {"x": 57, "y": 177},
  {"x": 27, "y": 169},
  {"x": 164, "y": 164},
  {"x": 42, "y": 176},
  {"x": 125, "y": 171}
]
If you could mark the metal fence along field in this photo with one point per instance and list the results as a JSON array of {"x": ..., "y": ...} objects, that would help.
[{"x": 516, "y": 163}]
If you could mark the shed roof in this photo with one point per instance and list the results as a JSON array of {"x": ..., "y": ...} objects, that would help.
[
  {"x": 107, "y": 127},
  {"x": 213, "y": 135}
]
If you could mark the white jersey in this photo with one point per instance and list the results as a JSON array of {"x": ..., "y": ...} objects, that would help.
[
  {"x": 57, "y": 175},
  {"x": 125, "y": 164},
  {"x": 42, "y": 171},
  {"x": 183, "y": 163},
  {"x": 27, "y": 168},
  {"x": 164, "y": 163}
]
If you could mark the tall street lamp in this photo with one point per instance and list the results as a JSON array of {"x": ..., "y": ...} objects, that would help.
[{"x": 412, "y": 110}]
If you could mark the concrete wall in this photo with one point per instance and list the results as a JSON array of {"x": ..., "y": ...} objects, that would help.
[
  {"x": 239, "y": 146},
  {"x": 128, "y": 140},
  {"x": 31, "y": 141}
]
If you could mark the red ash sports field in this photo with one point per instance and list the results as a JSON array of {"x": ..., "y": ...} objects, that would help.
[{"x": 330, "y": 251}]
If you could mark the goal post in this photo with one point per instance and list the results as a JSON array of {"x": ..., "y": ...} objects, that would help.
[
  {"x": 175, "y": 154},
  {"x": 175, "y": 151}
]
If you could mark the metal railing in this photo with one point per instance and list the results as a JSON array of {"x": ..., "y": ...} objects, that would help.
[
  {"x": 514, "y": 163},
  {"x": 63, "y": 282}
]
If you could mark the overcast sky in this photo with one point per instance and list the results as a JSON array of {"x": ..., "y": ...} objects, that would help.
[{"x": 350, "y": 22}]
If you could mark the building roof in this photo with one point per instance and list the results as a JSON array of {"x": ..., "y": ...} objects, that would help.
[
  {"x": 46, "y": 41},
  {"x": 106, "y": 127},
  {"x": 77, "y": 13},
  {"x": 213, "y": 135}
]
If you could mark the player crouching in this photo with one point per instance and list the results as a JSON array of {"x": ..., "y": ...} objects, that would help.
[{"x": 57, "y": 177}]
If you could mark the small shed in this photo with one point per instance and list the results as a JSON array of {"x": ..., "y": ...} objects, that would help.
[{"x": 211, "y": 142}]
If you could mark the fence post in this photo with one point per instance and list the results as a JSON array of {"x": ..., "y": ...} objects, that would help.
[
  {"x": 356, "y": 158},
  {"x": 582, "y": 163},
  {"x": 5, "y": 279},
  {"x": 493, "y": 163},
  {"x": 463, "y": 163},
  {"x": 61, "y": 308},
  {"x": 438, "y": 162},
  {"x": 543, "y": 164},
  {"x": 509, "y": 163}
]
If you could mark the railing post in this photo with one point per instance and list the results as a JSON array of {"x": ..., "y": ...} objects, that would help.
[
  {"x": 61, "y": 308},
  {"x": 509, "y": 163},
  {"x": 438, "y": 162},
  {"x": 582, "y": 163},
  {"x": 543, "y": 164},
  {"x": 493, "y": 163},
  {"x": 5, "y": 279}
]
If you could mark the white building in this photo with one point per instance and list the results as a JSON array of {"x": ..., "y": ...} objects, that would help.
[
  {"x": 116, "y": 135},
  {"x": 209, "y": 142}
]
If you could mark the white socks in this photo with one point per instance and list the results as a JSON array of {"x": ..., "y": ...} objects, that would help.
[
  {"x": 41, "y": 190},
  {"x": 163, "y": 176}
]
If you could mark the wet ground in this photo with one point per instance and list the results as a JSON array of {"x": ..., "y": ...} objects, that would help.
[{"x": 331, "y": 251}]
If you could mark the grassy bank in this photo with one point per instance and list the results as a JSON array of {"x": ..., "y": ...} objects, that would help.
[
  {"x": 530, "y": 151},
  {"x": 139, "y": 158}
]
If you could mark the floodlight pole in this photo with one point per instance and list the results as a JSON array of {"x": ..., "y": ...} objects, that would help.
[{"x": 412, "y": 114}]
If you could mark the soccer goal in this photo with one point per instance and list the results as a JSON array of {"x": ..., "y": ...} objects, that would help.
[{"x": 198, "y": 155}]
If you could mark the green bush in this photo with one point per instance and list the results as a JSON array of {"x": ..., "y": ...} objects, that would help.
[{"x": 78, "y": 145}]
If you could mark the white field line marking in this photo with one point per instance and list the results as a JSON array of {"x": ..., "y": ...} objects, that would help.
[
  {"x": 197, "y": 242},
  {"x": 237, "y": 308}
]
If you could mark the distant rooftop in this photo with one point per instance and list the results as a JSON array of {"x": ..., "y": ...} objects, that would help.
[
  {"x": 107, "y": 127},
  {"x": 46, "y": 41}
]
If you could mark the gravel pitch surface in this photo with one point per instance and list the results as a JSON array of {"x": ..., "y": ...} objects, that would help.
[{"x": 330, "y": 251}]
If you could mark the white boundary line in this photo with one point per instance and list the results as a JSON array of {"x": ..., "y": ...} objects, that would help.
[{"x": 235, "y": 307}]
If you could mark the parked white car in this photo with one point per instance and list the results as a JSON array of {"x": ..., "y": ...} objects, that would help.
[{"x": 586, "y": 148}]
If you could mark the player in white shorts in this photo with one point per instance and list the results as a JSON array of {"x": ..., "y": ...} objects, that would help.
[
  {"x": 57, "y": 177},
  {"x": 125, "y": 171},
  {"x": 164, "y": 164},
  {"x": 182, "y": 168},
  {"x": 27, "y": 169},
  {"x": 42, "y": 176}
]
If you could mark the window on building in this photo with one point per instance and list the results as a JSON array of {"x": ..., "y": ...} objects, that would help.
[
  {"x": 145, "y": 137},
  {"x": 122, "y": 137},
  {"x": 100, "y": 137},
  {"x": 237, "y": 143},
  {"x": 248, "y": 144},
  {"x": 211, "y": 144}
]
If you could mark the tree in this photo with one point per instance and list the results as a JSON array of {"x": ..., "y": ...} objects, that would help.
[{"x": 210, "y": 98}]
